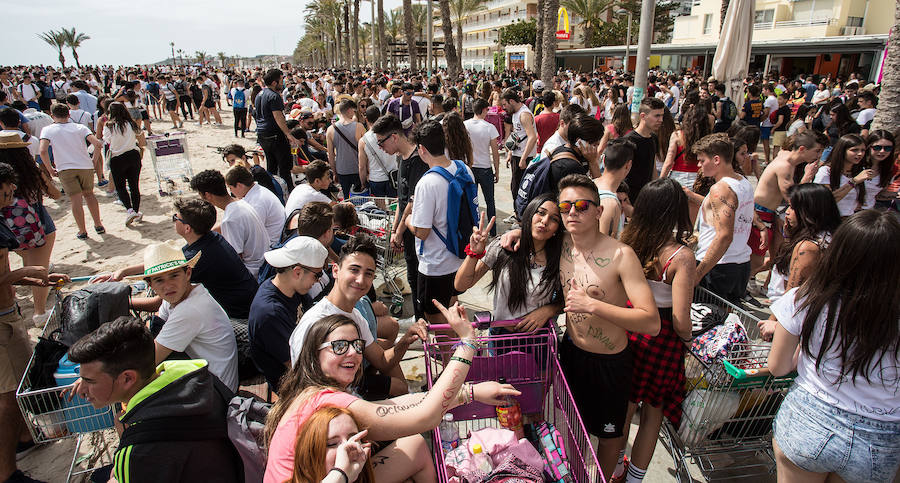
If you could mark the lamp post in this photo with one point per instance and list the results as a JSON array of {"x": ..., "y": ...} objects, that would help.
[
  {"x": 645, "y": 38},
  {"x": 623, "y": 11}
]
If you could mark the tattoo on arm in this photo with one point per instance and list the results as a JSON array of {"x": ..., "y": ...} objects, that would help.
[
  {"x": 378, "y": 460},
  {"x": 383, "y": 411}
]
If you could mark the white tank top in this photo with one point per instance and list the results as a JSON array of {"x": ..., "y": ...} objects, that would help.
[
  {"x": 519, "y": 133},
  {"x": 738, "y": 251}
]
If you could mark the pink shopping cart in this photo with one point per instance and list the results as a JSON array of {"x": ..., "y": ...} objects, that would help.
[{"x": 529, "y": 362}]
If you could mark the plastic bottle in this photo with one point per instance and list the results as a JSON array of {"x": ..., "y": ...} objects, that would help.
[
  {"x": 449, "y": 434},
  {"x": 482, "y": 460},
  {"x": 509, "y": 413}
]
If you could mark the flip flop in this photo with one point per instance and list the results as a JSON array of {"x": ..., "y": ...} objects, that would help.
[
  {"x": 99, "y": 229},
  {"x": 82, "y": 236}
]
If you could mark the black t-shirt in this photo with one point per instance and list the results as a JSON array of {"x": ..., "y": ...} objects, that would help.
[
  {"x": 411, "y": 171},
  {"x": 266, "y": 103},
  {"x": 222, "y": 272},
  {"x": 563, "y": 167},
  {"x": 785, "y": 112},
  {"x": 273, "y": 316},
  {"x": 644, "y": 162}
]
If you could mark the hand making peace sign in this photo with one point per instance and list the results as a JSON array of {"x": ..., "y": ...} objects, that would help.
[{"x": 481, "y": 234}]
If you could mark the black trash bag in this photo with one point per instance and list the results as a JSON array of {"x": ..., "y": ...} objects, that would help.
[
  {"x": 47, "y": 353},
  {"x": 86, "y": 309}
]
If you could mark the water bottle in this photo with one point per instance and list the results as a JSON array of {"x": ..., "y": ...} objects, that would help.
[
  {"x": 509, "y": 413},
  {"x": 449, "y": 434},
  {"x": 481, "y": 460}
]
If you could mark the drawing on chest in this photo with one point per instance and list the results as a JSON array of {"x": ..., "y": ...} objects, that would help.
[{"x": 573, "y": 256}]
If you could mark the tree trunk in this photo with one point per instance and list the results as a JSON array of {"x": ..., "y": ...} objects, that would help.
[
  {"x": 538, "y": 43},
  {"x": 723, "y": 11},
  {"x": 347, "y": 58},
  {"x": 355, "y": 34},
  {"x": 454, "y": 68},
  {"x": 548, "y": 62},
  {"x": 459, "y": 39},
  {"x": 77, "y": 63},
  {"x": 410, "y": 33},
  {"x": 888, "y": 114},
  {"x": 380, "y": 34},
  {"x": 62, "y": 59},
  {"x": 337, "y": 40},
  {"x": 588, "y": 36}
]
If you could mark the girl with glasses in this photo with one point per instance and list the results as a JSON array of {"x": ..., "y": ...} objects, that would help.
[{"x": 881, "y": 190}]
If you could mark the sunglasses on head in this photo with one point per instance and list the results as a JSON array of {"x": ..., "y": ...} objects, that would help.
[
  {"x": 175, "y": 218},
  {"x": 580, "y": 205},
  {"x": 878, "y": 147},
  {"x": 340, "y": 346}
]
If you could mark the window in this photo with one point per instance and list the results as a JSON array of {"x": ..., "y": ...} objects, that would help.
[
  {"x": 854, "y": 21},
  {"x": 707, "y": 24},
  {"x": 764, "y": 16}
]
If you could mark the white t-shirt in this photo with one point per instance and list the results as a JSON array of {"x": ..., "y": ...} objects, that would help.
[
  {"x": 771, "y": 103},
  {"x": 301, "y": 195},
  {"x": 118, "y": 141},
  {"x": 424, "y": 104},
  {"x": 865, "y": 116},
  {"x": 69, "y": 146},
  {"x": 246, "y": 234},
  {"x": 379, "y": 160},
  {"x": 872, "y": 190},
  {"x": 28, "y": 91},
  {"x": 551, "y": 144},
  {"x": 847, "y": 204},
  {"x": 878, "y": 399},
  {"x": 794, "y": 127},
  {"x": 308, "y": 103},
  {"x": 481, "y": 134},
  {"x": 268, "y": 209},
  {"x": 430, "y": 211},
  {"x": 37, "y": 121},
  {"x": 321, "y": 309},
  {"x": 199, "y": 327},
  {"x": 83, "y": 117},
  {"x": 34, "y": 144}
]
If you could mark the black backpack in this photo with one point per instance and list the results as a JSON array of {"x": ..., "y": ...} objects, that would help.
[
  {"x": 729, "y": 110},
  {"x": 179, "y": 88},
  {"x": 536, "y": 180}
]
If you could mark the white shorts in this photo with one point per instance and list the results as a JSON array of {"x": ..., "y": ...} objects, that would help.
[{"x": 684, "y": 178}]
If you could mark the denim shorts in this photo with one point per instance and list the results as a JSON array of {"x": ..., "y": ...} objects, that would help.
[
  {"x": 684, "y": 178},
  {"x": 820, "y": 438}
]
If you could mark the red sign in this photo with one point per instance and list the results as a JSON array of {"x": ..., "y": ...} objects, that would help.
[{"x": 563, "y": 35}]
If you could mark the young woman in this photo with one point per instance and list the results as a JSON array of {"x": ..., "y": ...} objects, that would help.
[
  {"x": 798, "y": 121},
  {"x": 846, "y": 174},
  {"x": 810, "y": 220},
  {"x": 28, "y": 218},
  {"x": 459, "y": 146},
  {"x": 822, "y": 95},
  {"x": 680, "y": 162},
  {"x": 658, "y": 233},
  {"x": 126, "y": 145},
  {"x": 330, "y": 449},
  {"x": 331, "y": 361},
  {"x": 840, "y": 331},
  {"x": 841, "y": 123},
  {"x": 664, "y": 132},
  {"x": 524, "y": 282},
  {"x": 619, "y": 126},
  {"x": 881, "y": 160}
]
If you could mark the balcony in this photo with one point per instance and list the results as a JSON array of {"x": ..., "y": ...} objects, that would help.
[
  {"x": 784, "y": 24},
  {"x": 493, "y": 23}
]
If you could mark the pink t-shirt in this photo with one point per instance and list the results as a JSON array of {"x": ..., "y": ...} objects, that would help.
[{"x": 280, "y": 464}]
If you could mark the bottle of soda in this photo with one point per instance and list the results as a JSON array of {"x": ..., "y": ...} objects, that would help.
[
  {"x": 449, "y": 434},
  {"x": 510, "y": 414}
]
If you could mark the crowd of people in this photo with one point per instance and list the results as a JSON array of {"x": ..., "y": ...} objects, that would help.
[{"x": 616, "y": 217}]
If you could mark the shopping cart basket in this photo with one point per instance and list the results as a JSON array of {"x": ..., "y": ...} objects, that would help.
[
  {"x": 529, "y": 362},
  {"x": 171, "y": 162},
  {"x": 376, "y": 217},
  {"x": 50, "y": 415},
  {"x": 726, "y": 427}
]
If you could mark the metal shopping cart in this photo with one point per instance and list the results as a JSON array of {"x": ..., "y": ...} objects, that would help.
[
  {"x": 376, "y": 217},
  {"x": 171, "y": 162},
  {"x": 726, "y": 427},
  {"x": 529, "y": 362}
]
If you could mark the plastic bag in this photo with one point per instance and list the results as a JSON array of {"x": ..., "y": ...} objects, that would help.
[{"x": 86, "y": 309}]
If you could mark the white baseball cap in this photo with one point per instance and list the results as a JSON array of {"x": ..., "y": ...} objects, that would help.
[
  {"x": 302, "y": 250},
  {"x": 538, "y": 85}
]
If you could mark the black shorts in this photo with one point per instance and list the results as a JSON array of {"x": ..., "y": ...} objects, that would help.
[
  {"x": 144, "y": 115},
  {"x": 728, "y": 280},
  {"x": 439, "y": 287},
  {"x": 209, "y": 103},
  {"x": 374, "y": 386},
  {"x": 600, "y": 385},
  {"x": 171, "y": 105}
]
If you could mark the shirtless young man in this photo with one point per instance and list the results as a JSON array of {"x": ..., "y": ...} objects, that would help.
[
  {"x": 599, "y": 275},
  {"x": 773, "y": 189}
]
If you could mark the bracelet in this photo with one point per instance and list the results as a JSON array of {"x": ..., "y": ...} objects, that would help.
[
  {"x": 471, "y": 392},
  {"x": 463, "y": 397},
  {"x": 471, "y": 342},
  {"x": 461, "y": 359},
  {"x": 465, "y": 343},
  {"x": 346, "y": 478},
  {"x": 477, "y": 256}
]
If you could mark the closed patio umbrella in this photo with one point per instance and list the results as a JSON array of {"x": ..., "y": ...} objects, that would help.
[{"x": 732, "y": 57}]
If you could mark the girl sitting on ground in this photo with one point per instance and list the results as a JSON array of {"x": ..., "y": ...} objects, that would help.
[{"x": 331, "y": 449}]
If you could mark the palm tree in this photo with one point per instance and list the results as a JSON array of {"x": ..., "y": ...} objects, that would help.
[
  {"x": 393, "y": 23},
  {"x": 454, "y": 66},
  {"x": 57, "y": 40},
  {"x": 461, "y": 9},
  {"x": 539, "y": 34},
  {"x": 221, "y": 56},
  {"x": 548, "y": 62},
  {"x": 365, "y": 37},
  {"x": 201, "y": 56},
  {"x": 591, "y": 14},
  {"x": 73, "y": 41},
  {"x": 410, "y": 34},
  {"x": 380, "y": 36},
  {"x": 347, "y": 59},
  {"x": 888, "y": 114},
  {"x": 172, "y": 44},
  {"x": 355, "y": 34},
  {"x": 180, "y": 56}
]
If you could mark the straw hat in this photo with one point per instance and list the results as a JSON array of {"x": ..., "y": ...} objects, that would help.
[
  {"x": 160, "y": 258},
  {"x": 12, "y": 140}
]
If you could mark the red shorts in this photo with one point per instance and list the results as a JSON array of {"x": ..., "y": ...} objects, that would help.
[{"x": 756, "y": 236}]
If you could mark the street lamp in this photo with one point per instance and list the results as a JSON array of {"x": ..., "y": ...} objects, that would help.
[{"x": 620, "y": 12}]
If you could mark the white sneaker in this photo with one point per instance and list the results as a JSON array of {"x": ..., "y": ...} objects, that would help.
[
  {"x": 131, "y": 217},
  {"x": 140, "y": 216},
  {"x": 510, "y": 219},
  {"x": 40, "y": 320}
]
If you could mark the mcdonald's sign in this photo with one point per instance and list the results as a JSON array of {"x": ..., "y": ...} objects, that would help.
[{"x": 563, "y": 32}]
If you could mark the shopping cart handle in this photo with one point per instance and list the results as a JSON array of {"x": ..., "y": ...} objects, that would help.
[{"x": 479, "y": 324}]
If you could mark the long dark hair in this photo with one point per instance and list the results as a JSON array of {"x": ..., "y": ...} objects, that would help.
[
  {"x": 816, "y": 212},
  {"x": 30, "y": 186},
  {"x": 518, "y": 263},
  {"x": 120, "y": 118},
  {"x": 660, "y": 210},
  {"x": 859, "y": 275},
  {"x": 886, "y": 167},
  {"x": 836, "y": 164},
  {"x": 621, "y": 120},
  {"x": 694, "y": 126},
  {"x": 306, "y": 375},
  {"x": 842, "y": 120},
  {"x": 459, "y": 146}
]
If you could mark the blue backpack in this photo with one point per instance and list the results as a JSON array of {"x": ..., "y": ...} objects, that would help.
[
  {"x": 239, "y": 101},
  {"x": 47, "y": 92},
  {"x": 462, "y": 208}
]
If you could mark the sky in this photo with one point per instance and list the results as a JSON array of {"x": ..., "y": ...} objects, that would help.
[{"x": 140, "y": 32}]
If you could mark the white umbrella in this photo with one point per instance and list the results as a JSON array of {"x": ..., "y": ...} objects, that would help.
[{"x": 733, "y": 52}]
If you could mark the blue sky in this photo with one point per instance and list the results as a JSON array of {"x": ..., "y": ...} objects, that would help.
[{"x": 140, "y": 32}]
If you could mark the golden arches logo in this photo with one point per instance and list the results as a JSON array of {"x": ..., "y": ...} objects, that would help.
[{"x": 563, "y": 32}]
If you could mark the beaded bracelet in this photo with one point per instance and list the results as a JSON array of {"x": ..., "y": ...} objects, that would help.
[
  {"x": 471, "y": 392},
  {"x": 465, "y": 343},
  {"x": 460, "y": 359},
  {"x": 477, "y": 256}
]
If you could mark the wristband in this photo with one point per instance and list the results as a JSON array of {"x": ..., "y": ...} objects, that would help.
[
  {"x": 460, "y": 359},
  {"x": 346, "y": 478},
  {"x": 465, "y": 343},
  {"x": 477, "y": 256},
  {"x": 471, "y": 392}
]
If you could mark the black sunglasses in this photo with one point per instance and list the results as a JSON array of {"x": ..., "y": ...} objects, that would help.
[
  {"x": 878, "y": 147},
  {"x": 340, "y": 347},
  {"x": 175, "y": 218},
  {"x": 384, "y": 140}
]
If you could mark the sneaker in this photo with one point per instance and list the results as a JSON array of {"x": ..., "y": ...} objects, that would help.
[
  {"x": 748, "y": 299},
  {"x": 139, "y": 217},
  {"x": 100, "y": 230},
  {"x": 130, "y": 218},
  {"x": 621, "y": 478},
  {"x": 510, "y": 219},
  {"x": 40, "y": 320},
  {"x": 103, "y": 183}
]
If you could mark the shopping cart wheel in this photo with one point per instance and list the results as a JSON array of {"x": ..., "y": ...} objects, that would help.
[{"x": 397, "y": 307}]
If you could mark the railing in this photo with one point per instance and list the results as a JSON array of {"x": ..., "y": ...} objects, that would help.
[{"x": 784, "y": 24}]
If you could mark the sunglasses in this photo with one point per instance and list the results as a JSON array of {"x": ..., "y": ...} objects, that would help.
[
  {"x": 384, "y": 140},
  {"x": 317, "y": 273},
  {"x": 878, "y": 148},
  {"x": 580, "y": 205},
  {"x": 340, "y": 347},
  {"x": 175, "y": 218}
]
